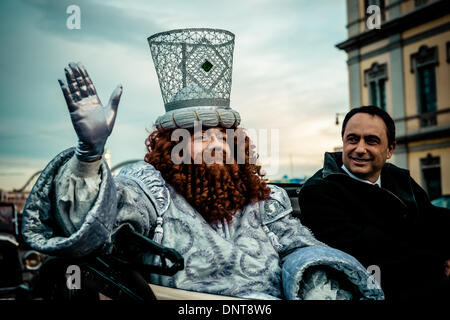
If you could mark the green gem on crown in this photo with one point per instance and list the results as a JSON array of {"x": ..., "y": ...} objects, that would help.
[{"x": 206, "y": 66}]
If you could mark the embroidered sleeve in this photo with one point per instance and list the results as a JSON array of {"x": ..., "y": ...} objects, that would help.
[
  {"x": 277, "y": 205},
  {"x": 285, "y": 231},
  {"x": 75, "y": 207},
  {"x": 151, "y": 183}
]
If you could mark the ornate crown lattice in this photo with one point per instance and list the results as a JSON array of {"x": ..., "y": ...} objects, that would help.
[{"x": 194, "y": 66}]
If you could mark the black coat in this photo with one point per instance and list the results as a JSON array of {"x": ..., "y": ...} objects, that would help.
[{"x": 394, "y": 227}]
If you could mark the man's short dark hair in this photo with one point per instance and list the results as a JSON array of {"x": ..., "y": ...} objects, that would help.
[{"x": 390, "y": 126}]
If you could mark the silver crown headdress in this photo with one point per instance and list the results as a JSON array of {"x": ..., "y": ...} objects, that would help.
[{"x": 194, "y": 68}]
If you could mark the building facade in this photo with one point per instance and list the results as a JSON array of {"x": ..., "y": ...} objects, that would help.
[{"x": 404, "y": 67}]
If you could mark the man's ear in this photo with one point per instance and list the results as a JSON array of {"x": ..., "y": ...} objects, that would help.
[{"x": 391, "y": 149}]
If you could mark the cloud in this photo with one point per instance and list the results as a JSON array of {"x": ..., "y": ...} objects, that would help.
[
  {"x": 286, "y": 73},
  {"x": 100, "y": 22}
]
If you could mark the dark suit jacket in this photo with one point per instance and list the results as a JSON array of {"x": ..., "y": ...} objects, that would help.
[{"x": 394, "y": 227}]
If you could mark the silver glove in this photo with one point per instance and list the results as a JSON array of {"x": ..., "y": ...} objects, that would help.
[{"x": 92, "y": 122}]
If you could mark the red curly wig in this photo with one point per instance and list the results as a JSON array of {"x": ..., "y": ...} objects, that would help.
[{"x": 217, "y": 192}]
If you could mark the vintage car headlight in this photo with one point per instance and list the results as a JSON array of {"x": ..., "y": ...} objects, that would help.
[{"x": 32, "y": 260}]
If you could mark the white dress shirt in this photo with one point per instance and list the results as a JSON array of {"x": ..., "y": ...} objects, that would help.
[{"x": 378, "y": 182}]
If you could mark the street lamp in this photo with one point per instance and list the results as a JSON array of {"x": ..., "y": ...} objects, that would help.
[
  {"x": 107, "y": 157},
  {"x": 337, "y": 116}
]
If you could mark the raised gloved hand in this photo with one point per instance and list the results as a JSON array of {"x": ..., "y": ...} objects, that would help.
[{"x": 92, "y": 122}]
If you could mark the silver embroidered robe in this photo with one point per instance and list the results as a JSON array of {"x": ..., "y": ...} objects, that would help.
[{"x": 263, "y": 253}]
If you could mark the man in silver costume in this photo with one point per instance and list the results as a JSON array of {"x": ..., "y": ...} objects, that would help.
[{"x": 259, "y": 251}]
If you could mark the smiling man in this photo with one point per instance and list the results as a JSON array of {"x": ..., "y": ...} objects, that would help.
[
  {"x": 375, "y": 211},
  {"x": 368, "y": 143}
]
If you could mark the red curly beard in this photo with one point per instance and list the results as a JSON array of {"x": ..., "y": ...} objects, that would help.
[{"x": 216, "y": 191}]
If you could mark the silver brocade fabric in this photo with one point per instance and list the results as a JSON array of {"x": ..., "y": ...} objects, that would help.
[{"x": 236, "y": 259}]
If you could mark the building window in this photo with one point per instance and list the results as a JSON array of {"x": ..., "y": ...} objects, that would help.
[
  {"x": 431, "y": 176},
  {"x": 373, "y": 93},
  {"x": 423, "y": 64},
  {"x": 419, "y": 3},
  {"x": 382, "y": 93},
  {"x": 448, "y": 51},
  {"x": 375, "y": 78},
  {"x": 380, "y": 4},
  {"x": 427, "y": 86}
]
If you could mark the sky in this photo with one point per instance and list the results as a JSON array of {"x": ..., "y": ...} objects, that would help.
[{"x": 288, "y": 76}]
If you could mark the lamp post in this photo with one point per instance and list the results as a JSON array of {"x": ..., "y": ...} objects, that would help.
[
  {"x": 107, "y": 156},
  {"x": 338, "y": 114}
]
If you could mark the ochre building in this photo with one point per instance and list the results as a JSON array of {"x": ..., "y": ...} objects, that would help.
[{"x": 404, "y": 67}]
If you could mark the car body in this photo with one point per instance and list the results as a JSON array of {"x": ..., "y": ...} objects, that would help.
[
  {"x": 19, "y": 264},
  {"x": 443, "y": 202}
]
